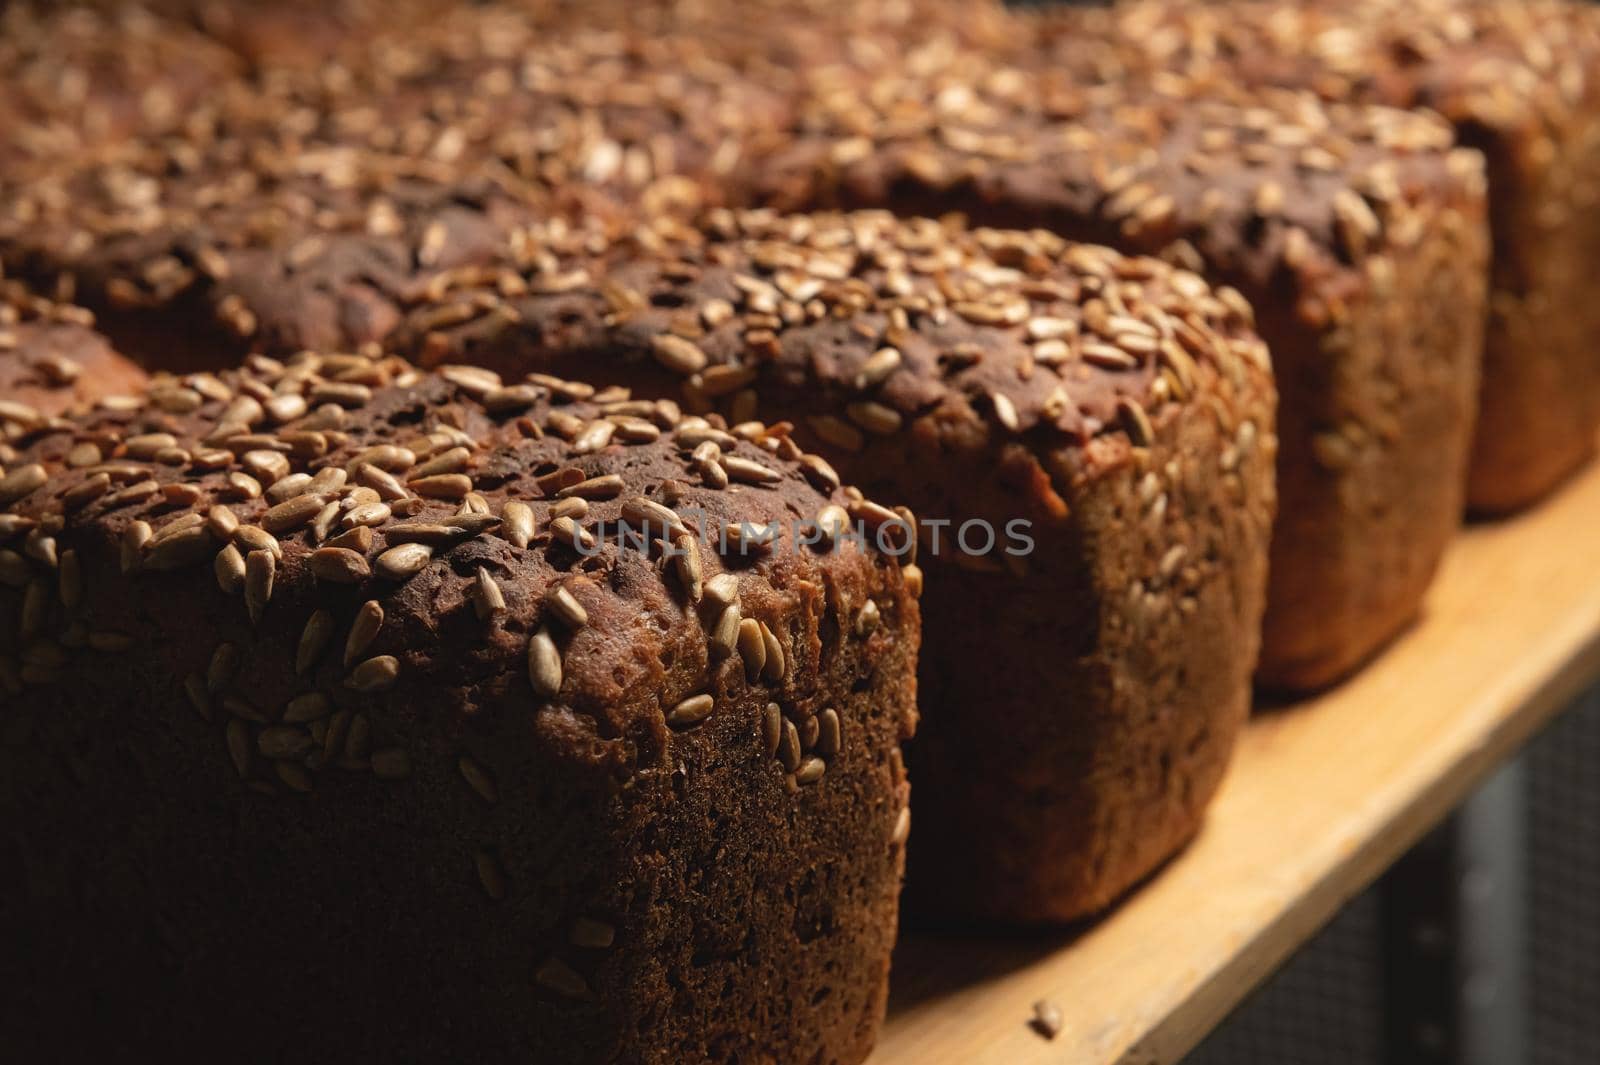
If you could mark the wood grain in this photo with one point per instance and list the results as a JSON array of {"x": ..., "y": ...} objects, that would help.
[{"x": 1322, "y": 796}]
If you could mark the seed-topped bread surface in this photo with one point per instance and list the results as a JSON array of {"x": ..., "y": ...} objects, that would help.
[
  {"x": 1355, "y": 232},
  {"x": 1086, "y": 437},
  {"x": 542, "y": 728},
  {"x": 1519, "y": 81}
]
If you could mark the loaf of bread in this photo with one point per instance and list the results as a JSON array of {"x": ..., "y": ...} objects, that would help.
[
  {"x": 355, "y": 713},
  {"x": 1087, "y": 439},
  {"x": 303, "y": 210},
  {"x": 1355, "y": 233},
  {"x": 1520, "y": 80},
  {"x": 52, "y": 360}
]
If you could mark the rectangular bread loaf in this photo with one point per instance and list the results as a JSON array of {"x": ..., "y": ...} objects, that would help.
[{"x": 360, "y": 714}]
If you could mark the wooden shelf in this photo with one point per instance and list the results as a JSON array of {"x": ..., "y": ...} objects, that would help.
[{"x": 1322, "y": 796}]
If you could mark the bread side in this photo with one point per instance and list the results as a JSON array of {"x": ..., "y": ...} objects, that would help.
[{"x": 323, "y": 705}]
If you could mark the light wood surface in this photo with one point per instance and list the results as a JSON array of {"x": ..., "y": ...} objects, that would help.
[{"x": 1322, "y": 795}]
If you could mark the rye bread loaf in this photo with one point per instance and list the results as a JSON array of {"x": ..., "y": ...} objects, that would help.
[
  {"x": 343, "y": 724},
  {"x": 1520, "y": 81},
  {"x": 1355, "y": 233},
  {"x": 308, "y": 204},
  {"x": 1081, "y": 691}
]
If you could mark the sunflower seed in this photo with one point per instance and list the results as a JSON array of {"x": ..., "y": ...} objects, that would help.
[
  {"x": 358, "y": 739},
  {"x": 828, "y": 733},
  {"x": 810, "y": 771},
  {"x": 363, "y": 630},
  {"x": 358, "y": 540},
  {"x": 85, "y": 492},
  {"x": 576, "y": 509},
  {"x": 752, "y": 648},
  {"x": 748, "y": 471},
  {"x": 35, "y": 606},
  {"x": 339, "y": 565},
  {"x": 564, "y": 605},
  {"x": 487, "y": 598},
  {"x": 691, "y": 570},
  {"x": 478, "y": 779},
  {"x": 283, "y": 741},
  {"x": 556, "y": 975},
  {"x": 453, "y": 460},
  {"x": 189, "y": 547},
  {"x": 222, "y": 522},
  {"x": 490, "y": 875},
  {"x": 789, "y": 747},
  {"x": 322, "y": 524},
  {"x": 453, "y": 486},
  {"x": 20, "y": 482},
  {"x": 772, "y": 728},
  {"x": 902, "y": 826},
  {"x": 381, "y": 481},
  {"x": 313, "y": 641},
  {"x": 69, "y": 584},
  {"x": 564, "y": 530},
  {"x": 434, "y": 534},
  {"x": 375, "y": 674},
  {"x": 260, "y": 569},
  {"x": 690, "y": 711},
  {"x": 338, "y": 732},
  {"x": 403, "y": 561},
  {"x": 366, "y": 514},
  {"x": 224, "y": 666},
  {"x": 745, "y": 538},
  {"x": 647, "y": 513},
  {"x": 723, "y": 639},
  {"x": 773, "y": 670},
  {"x": 594, "y": 437},
  {"x": 255, "y": 538},
  {"x": 243, "y": 485},
  {"x": 544, "y": 664},
  {"x": 14, "y": 569},
  {"x": 723, "y": 589},
  {"x": 877, "y": 368},
  {"x": 1136, "y": 422},
  {"x": 677, "y": 354},
  {"x": 296, "y": 484},
  {"x": 606, "y": 487},
  {"x": 312, "y": 706},
  {"x": 294, "y": 776}
]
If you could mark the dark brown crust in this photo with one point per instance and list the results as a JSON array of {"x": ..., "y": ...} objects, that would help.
[
  {"x": 1049, "y": 783},
  {"x": 1521, "y": 82},
  {"x": 640, "y": 888}
]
